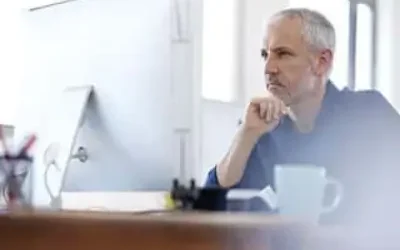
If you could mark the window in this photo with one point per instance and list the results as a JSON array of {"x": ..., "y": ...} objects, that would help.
[
  {"x": 364, "y": 54},
  {"x": 355, "y": 44},
  {"x": 220, "y": 50}
]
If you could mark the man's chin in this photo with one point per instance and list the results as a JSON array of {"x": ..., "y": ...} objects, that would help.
[{"x": 279, "y": 94}]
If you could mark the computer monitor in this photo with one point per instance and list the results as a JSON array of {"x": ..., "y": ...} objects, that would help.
[{"x": 123, "y": 49}]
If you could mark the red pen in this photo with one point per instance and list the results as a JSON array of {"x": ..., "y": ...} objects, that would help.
[{"x": 26, "y": 145}]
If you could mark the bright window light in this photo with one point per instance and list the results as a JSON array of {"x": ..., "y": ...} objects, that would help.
[{"x": 220, "y": 50}]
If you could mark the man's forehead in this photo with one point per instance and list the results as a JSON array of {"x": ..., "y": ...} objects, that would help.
[{"x": 282, "y": 32}]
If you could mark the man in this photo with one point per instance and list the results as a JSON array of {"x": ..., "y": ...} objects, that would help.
[{"x": 304, "y": 119}]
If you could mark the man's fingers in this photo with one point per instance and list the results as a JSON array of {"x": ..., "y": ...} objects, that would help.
[
  {"x": 270, "y": 108},
  {"x": 277, "y": 111},
  {"x": 283, "y": 109},
  {"x": 274, "y": 110},
  {"x": 263, "y": 109}
]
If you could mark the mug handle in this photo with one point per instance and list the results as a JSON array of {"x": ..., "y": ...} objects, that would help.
[{"x": 338, "y": 197}]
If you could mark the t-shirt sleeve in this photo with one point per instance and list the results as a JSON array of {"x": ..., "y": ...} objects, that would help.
[{"x": 212, "y": 179}]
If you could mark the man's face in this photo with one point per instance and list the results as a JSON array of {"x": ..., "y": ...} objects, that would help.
[{"x": 292, "y": 70}]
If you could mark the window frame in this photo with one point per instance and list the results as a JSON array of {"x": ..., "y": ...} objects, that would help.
[{"x": 353, "y": 40}]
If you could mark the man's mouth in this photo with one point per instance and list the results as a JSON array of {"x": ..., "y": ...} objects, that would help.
[{"x": 275, "y": 85}]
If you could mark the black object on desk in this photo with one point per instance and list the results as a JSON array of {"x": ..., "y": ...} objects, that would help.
[
  {"x": 197, "y": 198},
  {"x": 209, "y": 199}
]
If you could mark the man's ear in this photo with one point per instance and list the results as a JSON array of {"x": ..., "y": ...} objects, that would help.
[{"x": 324, "y": 62}]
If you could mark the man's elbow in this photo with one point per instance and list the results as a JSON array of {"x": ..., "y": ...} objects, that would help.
[{"x": 214, "y": 179}]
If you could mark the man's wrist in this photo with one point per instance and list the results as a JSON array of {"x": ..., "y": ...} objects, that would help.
[{"x": 249, "y": 133}]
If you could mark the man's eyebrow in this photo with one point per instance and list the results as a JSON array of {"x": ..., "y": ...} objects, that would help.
[
  {"x": 264, "y": 51},
  {"x": 280, "y": 48}
]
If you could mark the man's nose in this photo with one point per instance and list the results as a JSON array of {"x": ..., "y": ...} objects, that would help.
[{"x": 270, "y": 66}]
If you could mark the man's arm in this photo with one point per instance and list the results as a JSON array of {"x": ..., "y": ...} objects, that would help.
[
  {"x": 262, "y": 116},
  {"x": 257, "y": 173},
  {"x": 230, "y": 170},
  {"x": 236, "y": 160}
]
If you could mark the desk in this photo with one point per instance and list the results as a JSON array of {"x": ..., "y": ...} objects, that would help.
[{"x": 101, "y": 230}]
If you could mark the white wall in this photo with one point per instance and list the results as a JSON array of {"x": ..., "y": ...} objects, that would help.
[
  {"x": 10, "y": 61},
  {"x": 219, "y": 123}
]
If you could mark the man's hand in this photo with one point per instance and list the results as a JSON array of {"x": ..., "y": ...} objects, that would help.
[{"x": 263, "y": 114}]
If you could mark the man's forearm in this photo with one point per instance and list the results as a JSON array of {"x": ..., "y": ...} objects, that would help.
[{"x": 230, "y": 170}]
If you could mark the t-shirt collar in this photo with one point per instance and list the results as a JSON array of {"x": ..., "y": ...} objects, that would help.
[{"x": 328, "y": 103}]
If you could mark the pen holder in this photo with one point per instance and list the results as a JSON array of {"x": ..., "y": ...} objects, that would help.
[{"x": 15, "y": 186}]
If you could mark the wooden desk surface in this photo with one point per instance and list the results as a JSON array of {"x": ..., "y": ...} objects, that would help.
[{"x": 102, "y": 230}]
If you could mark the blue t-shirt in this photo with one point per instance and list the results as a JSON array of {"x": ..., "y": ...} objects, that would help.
[{"x": 356, "y": 138}]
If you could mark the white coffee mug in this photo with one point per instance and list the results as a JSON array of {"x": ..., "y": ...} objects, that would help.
[{"x": 300, "y": 190}]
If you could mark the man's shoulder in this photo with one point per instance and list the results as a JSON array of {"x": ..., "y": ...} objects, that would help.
[
  {"x": 370, "y": 103},
  {"x": 364, "y": 99},
  {"x": 362, "y": 96}
]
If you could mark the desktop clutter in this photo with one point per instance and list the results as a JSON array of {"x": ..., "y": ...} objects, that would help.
[
  {"x": 15, "y": 166},
  {"x": 16, "y": 161},
  {"x": 194, "y": 198},
  {"x": 218, "y": 199}
]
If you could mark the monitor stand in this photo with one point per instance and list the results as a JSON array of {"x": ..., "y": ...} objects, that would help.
[{"x": 56, "y": 145}]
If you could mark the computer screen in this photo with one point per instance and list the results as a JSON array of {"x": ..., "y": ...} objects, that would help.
[{"x": 123, "y": 49}]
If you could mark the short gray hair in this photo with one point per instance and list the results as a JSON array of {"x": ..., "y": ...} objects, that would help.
[{"x": 318, "y": 31}]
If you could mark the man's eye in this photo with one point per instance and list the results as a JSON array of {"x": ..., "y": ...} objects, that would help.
[{"x": 283, "y": 53}]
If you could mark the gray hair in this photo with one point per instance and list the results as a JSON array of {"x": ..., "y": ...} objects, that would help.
[{"x": 318, "y": 31}]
